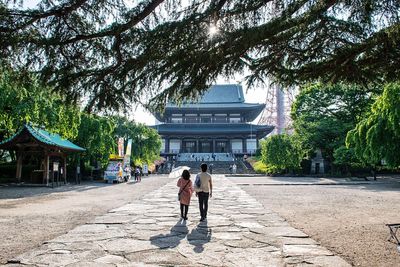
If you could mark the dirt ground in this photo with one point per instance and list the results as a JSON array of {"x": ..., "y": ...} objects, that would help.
[
  {"x": 29, "y": 216},
  {"x": 348, "y": 219}
]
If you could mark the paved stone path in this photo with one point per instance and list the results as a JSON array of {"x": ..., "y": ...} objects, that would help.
[{"x": 239, "y": 232}]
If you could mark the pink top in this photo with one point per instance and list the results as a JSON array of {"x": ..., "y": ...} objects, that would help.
[{"x": 186, "y": 192}]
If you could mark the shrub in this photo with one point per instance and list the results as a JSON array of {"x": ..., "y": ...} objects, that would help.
[
  {"x": 281, "y": 153},
  {"x": 260, "y": 167}
]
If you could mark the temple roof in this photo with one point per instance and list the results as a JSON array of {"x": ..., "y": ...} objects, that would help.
[
  {"x": 224, "y": 98},
  {"x": 41, "y": 136},
  {"x": 220, "y": 93},
  {"x": 213, "y": 128}
]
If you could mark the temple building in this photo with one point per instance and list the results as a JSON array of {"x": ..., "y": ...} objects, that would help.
[{"x": 220, "y": 122}]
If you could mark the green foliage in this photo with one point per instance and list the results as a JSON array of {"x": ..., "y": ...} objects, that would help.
[
  {"x": 113, "y": 53},
  {"x": 23, "y": 99},
  {"x": 323, "y": 114},
  {"x": 377, "y": 137},
  {"x": 260, "y": 167},
  {"x": 346, "y": 158},
  {"x": 146, "y": 143},
  {"x": 96, "y": 135},
  {"x": 281, "y": 153}
]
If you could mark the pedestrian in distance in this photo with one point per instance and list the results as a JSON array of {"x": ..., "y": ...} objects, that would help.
[
  {"x": 137, "y": 174},
  {"x": 203, "y": 188},
  {"x": 127, "y": 173},
  {"x": 120, "y": 173},
  {"x": 185, "y": 193},
  {"x": 140, "y": 173}
]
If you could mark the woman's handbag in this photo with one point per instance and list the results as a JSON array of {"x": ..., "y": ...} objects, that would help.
[{"x": 180, "y": 191}]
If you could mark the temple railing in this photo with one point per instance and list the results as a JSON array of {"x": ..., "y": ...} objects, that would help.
[{"x": 205, "y": 157}]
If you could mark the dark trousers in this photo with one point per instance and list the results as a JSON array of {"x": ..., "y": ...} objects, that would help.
[
  {"x": 184, "y": 210},
  {"x": 203, "y": 203}
]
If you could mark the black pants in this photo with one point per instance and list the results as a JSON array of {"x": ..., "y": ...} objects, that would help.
[
  {"x": 203, "y": 203},
  {"x": 184, "y": 210}
]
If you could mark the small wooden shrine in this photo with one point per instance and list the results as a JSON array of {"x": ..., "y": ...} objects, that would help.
[{"x": 48, "y": 150}]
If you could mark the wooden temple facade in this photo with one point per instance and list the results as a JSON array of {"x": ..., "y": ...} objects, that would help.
[
  {"x": 48, "y": 150},
  {"x": 220, "y": 122}
]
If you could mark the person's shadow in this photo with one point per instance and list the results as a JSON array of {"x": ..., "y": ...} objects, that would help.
[
  {"x": 173, "y": 238},
  {"x": 199, "y": 236}
]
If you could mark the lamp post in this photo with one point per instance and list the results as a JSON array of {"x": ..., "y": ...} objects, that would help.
[{"x": 251, "y": 138}]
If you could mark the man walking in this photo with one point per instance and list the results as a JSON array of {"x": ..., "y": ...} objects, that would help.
[{"x": 203, "y": 190}]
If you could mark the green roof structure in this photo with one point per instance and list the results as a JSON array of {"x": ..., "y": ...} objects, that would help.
[
  {"x": 48, "y": 150},
  {"x": 43, "y": 137}
]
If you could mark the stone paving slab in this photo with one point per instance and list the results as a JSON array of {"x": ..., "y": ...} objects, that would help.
[{"x": 239, "y": 232}]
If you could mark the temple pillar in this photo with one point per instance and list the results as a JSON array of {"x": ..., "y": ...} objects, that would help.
[
  {"x": 213, "y": 146},
  {"x": 19, "y": 165},
  {"x": 65, "y": 169},
  {"x": 197, "y": 145},
  {"x": 166, "y": 144},
  {"x": 46, "y": 168},
  {"x": 244, "y": 145}
]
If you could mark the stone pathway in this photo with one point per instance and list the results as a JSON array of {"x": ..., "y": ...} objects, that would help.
[{"x": 239, "y": 232}]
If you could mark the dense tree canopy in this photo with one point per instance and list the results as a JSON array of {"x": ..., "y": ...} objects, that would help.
[
  {"x": 346, "y": 158},
  {"x": 281, "y": 153},
  {"x": 99, "y": 135},
  {"x": 96, "y": 135},
  {"x": 115, "y": 51},
  {"x": 146, "y": 143},
  {"x": 323, "y": 114},
  {"x": 23, "y": 100},
  {"x": 377, "y": 137}
]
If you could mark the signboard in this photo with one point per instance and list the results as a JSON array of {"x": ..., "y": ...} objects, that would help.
[
  {"x": 128, "y": 148},
  {"x": 55, "y": 166},
  {"x": 127, "y": 158},
  {"x": 121, "y": 146}
]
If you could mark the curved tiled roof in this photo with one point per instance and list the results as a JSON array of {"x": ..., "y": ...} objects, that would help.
[
  {"x": 44, "y": 137},
  {"x": 224, "y": 93},
  {"x": 220, "y": 93},
  {"x": 220, "y": 98}
]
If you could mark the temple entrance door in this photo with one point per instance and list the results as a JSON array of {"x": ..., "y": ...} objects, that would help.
[
  {"x": 205, "y": 147},
  {"x": 316, "y": 168},
  {"x": 189, "y": 146},
  {"x": 221, "y": 146}
]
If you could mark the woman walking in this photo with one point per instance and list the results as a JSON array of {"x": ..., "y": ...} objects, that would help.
[{"x": 185, "y": 193}]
